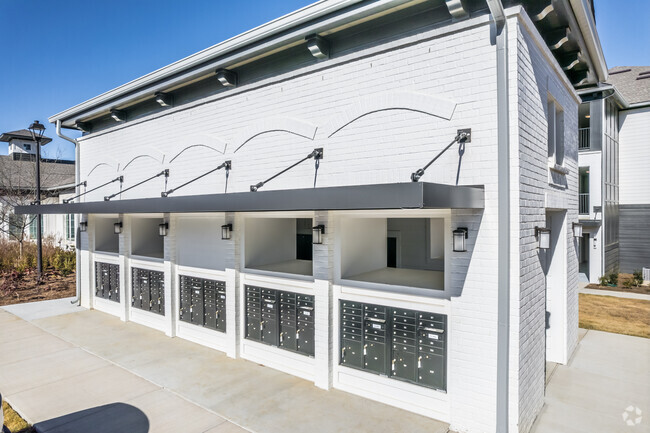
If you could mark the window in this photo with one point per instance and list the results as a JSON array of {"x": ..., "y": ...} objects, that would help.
[
  {"x": 555, "y": 117},
  {"x": 69, "y": 227},
  {"x": 28, "y": 147},
  {"x": 16, "y": 225},
  {"x": 32, "y": 226}
]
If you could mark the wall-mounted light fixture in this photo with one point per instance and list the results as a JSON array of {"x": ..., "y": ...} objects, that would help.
[
  {"x": 317, "y": 234},
  {"x": 164, "y": 99},
  {"x": 226, "y": 77},
  {"x": 118, "y": 115},
  {"x": 226, "y": 231},
  {"x": 83, "y": 226},
  {"x": 82, "y": 126},
  {"x": 117, "y": 227},
  {"x": 460, "y": 238},
  {"x": 543, "y": 236},
  {"x": 163, "y": 229},
  {"x": 318, "y": 46},
  {"x": 577, "y": 230}
]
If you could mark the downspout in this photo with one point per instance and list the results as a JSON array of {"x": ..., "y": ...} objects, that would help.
[
  {"x": 503, "y": 194},
  {"x": 77, "y": 175}
]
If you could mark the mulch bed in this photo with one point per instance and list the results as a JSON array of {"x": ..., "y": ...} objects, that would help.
[
  {"x": 18, "y": 288},
  {"x": 644, "y": 290}
]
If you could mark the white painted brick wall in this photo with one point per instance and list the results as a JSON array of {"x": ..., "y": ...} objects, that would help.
[{"x": 386, "y": 147}]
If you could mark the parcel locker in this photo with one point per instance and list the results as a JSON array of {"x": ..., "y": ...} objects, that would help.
[
  {"x": 351, "y": 329},
  {"x": 375, "y": 336},
  {"x": 197, "y": 301},
  {"x": 209, "y": 304},
  {"x": 270, "y": 334},
  {"x": 185, "y": 313},
  {"x": 288, "y": 321},
  {"x": 432, "y": 348},
  {"x": 404, "y": 346},
  {"x": 305, "y": 322},
  {"x": 221, "y": 306},
  {"x": 253, "y": 313}
]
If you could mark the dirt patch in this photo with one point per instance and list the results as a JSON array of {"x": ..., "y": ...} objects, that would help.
[
  {"x": 18, "y": 288},
  {"x": 622, "y": 278},
  {"x": 618, "y": 315}
]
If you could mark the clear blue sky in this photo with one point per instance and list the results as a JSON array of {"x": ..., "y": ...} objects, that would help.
[{"x": 56, "y": 54}]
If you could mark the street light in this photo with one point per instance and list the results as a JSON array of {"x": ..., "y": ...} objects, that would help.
[{"x": 37, "y": 130}]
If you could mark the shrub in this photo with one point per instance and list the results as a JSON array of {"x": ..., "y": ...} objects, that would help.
[
  {"x": 613, "y": 278},
  {"x": 54, "y": 257},
  {"x": 637, "y": 277},
  {"x": 603, "y": 281},
  {"x": 628, "y": 283}
]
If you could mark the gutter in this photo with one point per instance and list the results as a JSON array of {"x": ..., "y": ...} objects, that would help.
[
  {"x": 503, "y": 194},
  {"x": 587, "y": 25},
  {"x": 77, "y": 176}
]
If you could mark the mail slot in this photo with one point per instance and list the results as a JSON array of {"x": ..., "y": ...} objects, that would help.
[{"x": 405, "y": 345}]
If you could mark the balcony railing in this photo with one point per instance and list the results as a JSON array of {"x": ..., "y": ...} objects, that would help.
[
  {"x": 583, "y": 138},
  {"x": 583, "y": 203}
]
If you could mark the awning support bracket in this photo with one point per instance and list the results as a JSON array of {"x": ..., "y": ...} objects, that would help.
[
  {"x": 120, "y": 178},
  {"x": 462, "y": 136},
  {"x": 164, "y": 172},
  {"x": 317, "y": 154},
  {"x": 226, "y": 164}
]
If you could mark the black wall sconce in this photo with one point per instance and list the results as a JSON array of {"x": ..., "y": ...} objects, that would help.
[
  {"x": 543, "y": 236},
  {"x": 163, "y": 229},
  {"x": 83, "y": 226},
  {"x": 117, "y": 227},
  {"x": 317, "y": 234},
  {"x": 577, "y": 230},
  {"x": 460, "y": 237},
  {"x": 226, "y": 231}
]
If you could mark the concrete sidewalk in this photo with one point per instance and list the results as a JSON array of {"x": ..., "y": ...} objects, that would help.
[
  {"x": 94, "y": 370},
  {"x": 601, "y": 388},
  {"x": 615, "y": 293}
]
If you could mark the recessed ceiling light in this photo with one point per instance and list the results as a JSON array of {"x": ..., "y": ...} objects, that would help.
[{"x": 587, "y": 116}]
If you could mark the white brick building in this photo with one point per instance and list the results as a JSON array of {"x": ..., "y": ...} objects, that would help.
[{"x": 387, "y": 306}]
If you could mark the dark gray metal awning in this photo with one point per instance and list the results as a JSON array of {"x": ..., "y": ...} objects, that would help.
[{"x": 412, "y": 195}]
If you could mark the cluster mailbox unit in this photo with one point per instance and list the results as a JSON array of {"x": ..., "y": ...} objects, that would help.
[
  {"x": 203, "y": 302},
  {"x": 107, "y": 281},
  {"x": 148, "y": 291},
  {"x": 327, "y": 195}
]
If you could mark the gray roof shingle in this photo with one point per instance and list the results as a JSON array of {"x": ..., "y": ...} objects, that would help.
[
  {"x": 23, "y": 134},
  {"x": 21, "y": 174},
  {"x": 632, "y": 81}
]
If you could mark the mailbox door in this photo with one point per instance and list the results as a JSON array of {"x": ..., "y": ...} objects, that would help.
[
  {"x": 404, "y": 359},
  {"x": 106, "y": 287},
  {"x": 136, "y": 295},
  {"x": 145, "y": 289},
  {"x": 270, "y": 334},
  {"x": 375, "y": 337},
  {"x": 210, "y": 304},
  {"x": 197, "y": 302},
  {"x": 221, "y": 306},
  {"x": 114, "y": 281},
  {"x": 186, "y": 299},
  {"x": 431, "y": 371},
  {"x": 288, "y": 321},
  {"x": 253, "y": 313},
  {"x": 432, "y": 350},
  {"x": 351, "y": 331},
  {"x": 153, "y": 292},
  {"x": 305, "y": 333}
]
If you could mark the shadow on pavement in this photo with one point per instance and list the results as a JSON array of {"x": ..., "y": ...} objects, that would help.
[{"x": 114, "y": 417}]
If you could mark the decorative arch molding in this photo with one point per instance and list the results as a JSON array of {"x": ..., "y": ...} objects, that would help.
[
  {"x": 287, "y": 124},
  {"x": 410, "y": 101},
  {"x": 141, "y": 156},
  {"x": 209, "y": 142},
  {"x": 113, "y": 166}
]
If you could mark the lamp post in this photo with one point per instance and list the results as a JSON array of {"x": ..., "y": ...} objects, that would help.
[{"x": 37, "y": 130}]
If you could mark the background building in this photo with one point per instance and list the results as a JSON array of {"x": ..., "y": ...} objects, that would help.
[
  {"x": 614, "y": 177},
  {"x": 18, "y": 187}
]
